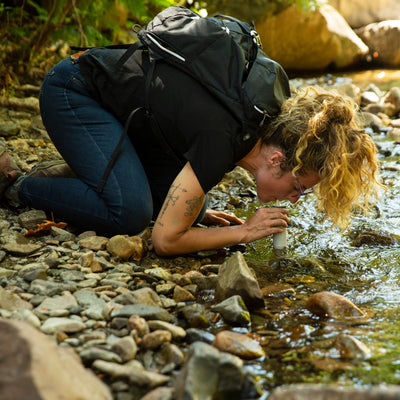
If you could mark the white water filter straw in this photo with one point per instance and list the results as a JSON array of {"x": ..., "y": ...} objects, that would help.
[{"x": 280, "y": 239}]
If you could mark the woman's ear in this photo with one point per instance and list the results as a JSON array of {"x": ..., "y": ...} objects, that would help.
[{"x": 275, "y": 158}]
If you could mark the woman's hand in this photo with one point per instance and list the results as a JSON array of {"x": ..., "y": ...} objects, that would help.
[
  {"x": 221, "y": 218},
  {"x": 264, "y": 222}
]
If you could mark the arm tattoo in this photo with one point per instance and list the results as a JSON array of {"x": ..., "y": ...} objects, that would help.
[
  {"x": 172, "y": 198},
  {"x": 193, "y": 205}
]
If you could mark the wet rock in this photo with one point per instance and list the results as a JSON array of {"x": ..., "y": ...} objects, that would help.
[
  {"x": 235, "y": 278},
  {"x": 373, "y": 238},
  {"x": 196, "y": 316},
  {"x": 33, "y": 367},
  {"x": 233, "y": 311},
  {"x": 332, "y": 305},
  {"x": 238, "y": 344},
  {"x": 350, "y": 347},
  {"x": 279, "y": 291}
]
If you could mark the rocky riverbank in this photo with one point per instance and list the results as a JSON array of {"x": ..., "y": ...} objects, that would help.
[{"x": 145, "y": 327}]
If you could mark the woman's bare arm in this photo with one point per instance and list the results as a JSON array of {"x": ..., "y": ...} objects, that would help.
[{"x": 173, "y": 232}]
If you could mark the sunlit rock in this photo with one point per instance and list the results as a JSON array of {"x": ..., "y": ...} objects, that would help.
[
  {"x": 383, "y": 40},
  {"x": 301, "y": 40}
]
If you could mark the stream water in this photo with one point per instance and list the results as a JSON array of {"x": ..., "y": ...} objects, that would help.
[{"x": 301, "y": 347}]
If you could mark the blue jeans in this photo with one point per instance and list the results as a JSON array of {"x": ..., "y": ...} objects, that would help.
[{"x": 85, "y": 135}]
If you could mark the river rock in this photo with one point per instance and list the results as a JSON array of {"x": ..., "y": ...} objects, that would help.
[
  {"x": 310, "y": 40},
  {"x": 359, "y": 13},
  {"x": 34, "y": 368},
  {"x": 238, "y": 344},
  {"x": 233, "y": 311},
  {"x": 351, "y": 347},
  {"x": 332, "y": 305},
  {"x": 235, "y": 278},
  {"x": 126, "y": 247},
  {"x": 383, "y": 40}
]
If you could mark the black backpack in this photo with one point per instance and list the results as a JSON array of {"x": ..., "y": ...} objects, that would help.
[{"x": 222, "y": 53}]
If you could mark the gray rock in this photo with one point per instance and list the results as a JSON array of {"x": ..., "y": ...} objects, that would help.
[
  {"x": 204, "y": 363},
  {"x": 235, "y": 278},
  {"x": 233, "y": 311},
  {"x": 142, "y": 310},
  {"x": 67, "y": 325},
  {"x": 93, "y": 304}
]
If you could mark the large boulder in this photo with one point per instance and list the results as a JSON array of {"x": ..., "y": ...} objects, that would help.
[
  {"x": 363, "y": 12},
  {"x": 314, "y": 40},
  {"x": 34, "y": 367},
  {"x": 383, "y": 40}
]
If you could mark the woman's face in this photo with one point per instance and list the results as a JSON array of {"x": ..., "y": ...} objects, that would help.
[{"x": 274, "y": 184}]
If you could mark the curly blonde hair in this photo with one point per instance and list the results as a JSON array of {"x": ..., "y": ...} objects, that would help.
[{"x": 318, "y": 131}]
